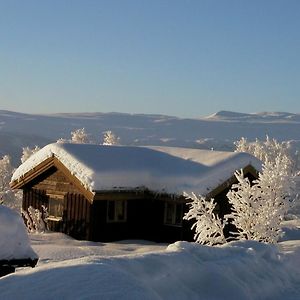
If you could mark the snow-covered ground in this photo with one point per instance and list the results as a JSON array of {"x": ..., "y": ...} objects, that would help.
[{"x": 70, "y": 269}]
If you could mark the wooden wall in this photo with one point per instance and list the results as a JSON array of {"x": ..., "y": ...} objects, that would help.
[
  {"x": 54, "y": 182},
  {"x": 77, "y": 209},
  {"x": 83, "y": 220},
  {"x": 145, "y": 220}
]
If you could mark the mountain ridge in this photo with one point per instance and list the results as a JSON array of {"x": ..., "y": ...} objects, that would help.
[{"x": 217, "y": 131}]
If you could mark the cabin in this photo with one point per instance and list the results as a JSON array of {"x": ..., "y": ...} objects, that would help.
[{"x": 109, "y": 193}]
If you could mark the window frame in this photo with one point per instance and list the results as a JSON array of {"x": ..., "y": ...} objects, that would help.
[
  {"x": 58, "y": 199},
  {"x": 174, "y": 210},
  {"x": 115, "y": 218}
]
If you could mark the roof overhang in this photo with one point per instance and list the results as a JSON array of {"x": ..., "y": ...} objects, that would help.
[
  {"x": 114, "y": 193},
  {"x": 246, "y": 170},
  {"x": 43, "y": 167}
]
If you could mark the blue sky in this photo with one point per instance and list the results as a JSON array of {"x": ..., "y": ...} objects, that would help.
[{"x": 177, "y": 57}]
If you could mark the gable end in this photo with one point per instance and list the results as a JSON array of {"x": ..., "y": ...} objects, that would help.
[{"x": 44, "y": 167}]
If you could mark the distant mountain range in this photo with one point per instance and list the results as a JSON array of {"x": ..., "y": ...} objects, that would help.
[
  {"x": 217, "y": 131},
  {"x": 257, "y": 117}
]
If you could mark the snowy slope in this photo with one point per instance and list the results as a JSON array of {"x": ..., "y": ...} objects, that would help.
[
  {"x": 217, "y": 131},
  {"x": 70, "y": 269},
  {"x": 263, "y": 117}
]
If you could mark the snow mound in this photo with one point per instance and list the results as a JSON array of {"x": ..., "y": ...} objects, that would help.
[
  {"x": 14, "y": 241},
  {"x": 240, "y": 270}
]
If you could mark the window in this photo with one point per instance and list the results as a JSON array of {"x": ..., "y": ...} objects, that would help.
[
  {"x": 55, "y": 209},
  {"x": 116, "y": 211},
  {"x": 173, "y": 213}
]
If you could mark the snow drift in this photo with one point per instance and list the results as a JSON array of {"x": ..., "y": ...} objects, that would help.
[
  {"x": 239, "y": 270},
  {"x": 14, "y": 241}
]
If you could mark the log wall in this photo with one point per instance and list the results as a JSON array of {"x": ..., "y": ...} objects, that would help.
[{"x": 77, "y": 209}]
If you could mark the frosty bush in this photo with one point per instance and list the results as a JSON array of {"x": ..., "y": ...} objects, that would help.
[
  {"x": 7, "y": 196},
  {"x": 61, "y": 141},
  {"x": 208, "y": 227},
  {"x": 27, "y": 152},
  {"x": 258, "y": 209},
  {"x": 109, "y": 138},
  {"x": 36, "y": 220},
  {"x": 280, "y": 157},
  {"x": 79, "y": 136},
  {"x": 245, "y": 208},
  {"x": 268, "y": 151}
]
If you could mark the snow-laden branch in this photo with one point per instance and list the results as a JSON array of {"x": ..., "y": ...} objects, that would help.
[{"x": 208, "y": 226}]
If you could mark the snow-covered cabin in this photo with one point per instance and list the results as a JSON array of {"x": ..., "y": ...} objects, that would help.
[{"x": 106, "y": 193}]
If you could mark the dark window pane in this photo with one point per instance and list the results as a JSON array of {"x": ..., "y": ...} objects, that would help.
[
  {"x": 56, "y": 208},
  {"x": 179, "y": 214},
  {"x": 120, "y": 210},
  {"x": 170, "y": 211},
  {"x": 111, "y": 210}
]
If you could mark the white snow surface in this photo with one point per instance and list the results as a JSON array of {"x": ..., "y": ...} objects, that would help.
[
  {"x": 14, "y": 241},
  {"x": 160, "y": 169},
  {"x": 70, "y": 269}
]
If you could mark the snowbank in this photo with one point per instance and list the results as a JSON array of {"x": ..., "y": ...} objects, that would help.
[
  {"x": 160, "y": 169},
  {"x": 14, "y": 241},
  {"x": 239, "y": 270}
]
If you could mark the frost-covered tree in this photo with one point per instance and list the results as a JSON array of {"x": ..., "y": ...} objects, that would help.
[
  {"x": 282, "y": 155},
  {"x": 7, "y": 196},
  {"x": 79, "y": 136},
  {"x": 61, "y": 141},
  {"x": 109, "y": 138},
  {"x": 36, "y": 220},
  {"x": 259, "y": 208},
  {"x": 208, "y": 226},
  {"x": 268, "y": 150},
  {"x": 27, "y": 152},
  {"x": 6, "y": 171},
  {"x": 244, "y": 208}
]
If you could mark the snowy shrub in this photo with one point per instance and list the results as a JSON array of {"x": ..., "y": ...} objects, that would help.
[
  {"x": 276, "y": 156},
  {"x": 36, "y": 220},
  {"x": 7, "y": 196},
  {"x": 79, "y": 136},
  {"x": 28, "y": 221},
  {"x": 208, "y": 226},
  {"x": 109, "y": 138},
  {"x": 268, "y": 150},
  {"x": 258, "y": 209},
  {"x": 27, "y": 152},
  {"x": 61, "y": 141}
]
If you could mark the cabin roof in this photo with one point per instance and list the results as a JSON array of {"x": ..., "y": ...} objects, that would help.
[{"x": 160, "y": 169}]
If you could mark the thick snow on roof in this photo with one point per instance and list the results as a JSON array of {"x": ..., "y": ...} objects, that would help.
[
  {"x": 14, "y": 241},
  {"x": 160, "y": 169}
]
